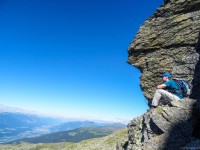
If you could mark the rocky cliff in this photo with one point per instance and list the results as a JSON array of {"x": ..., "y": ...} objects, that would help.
[{"x": 168, "y": 42}]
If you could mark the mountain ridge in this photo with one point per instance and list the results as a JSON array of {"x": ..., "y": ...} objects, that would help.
[
  {"x": 17, "y": 125},
  {"x": 75, "y": 135}
]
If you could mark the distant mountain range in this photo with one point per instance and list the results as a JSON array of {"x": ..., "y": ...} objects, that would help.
[
  {"x": 75, "y": 135},
  {"x": 78, "y": 124},
  {"x": 15, "y": 125},
  {"x": 103, "y": 143},
  {"x": 73, "y": 125},
  {"x": 18, "y": 124}
]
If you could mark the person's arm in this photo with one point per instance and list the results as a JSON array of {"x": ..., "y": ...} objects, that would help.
[{"x": 161, "y": 86}]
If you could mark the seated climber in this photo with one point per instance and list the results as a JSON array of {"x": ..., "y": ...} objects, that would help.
[{"x": 169, "y": 90}]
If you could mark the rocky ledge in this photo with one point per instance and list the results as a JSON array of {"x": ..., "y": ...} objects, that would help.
[{"x": 173, "y": 126}]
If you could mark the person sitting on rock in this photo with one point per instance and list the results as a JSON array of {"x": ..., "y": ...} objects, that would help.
[{"x": 169, "y": 90}]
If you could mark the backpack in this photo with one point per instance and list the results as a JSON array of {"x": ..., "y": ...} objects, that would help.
[{"x": 184, "y": 86}]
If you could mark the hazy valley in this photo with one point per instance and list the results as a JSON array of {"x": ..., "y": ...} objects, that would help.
[{"x": 19, "y": 127}]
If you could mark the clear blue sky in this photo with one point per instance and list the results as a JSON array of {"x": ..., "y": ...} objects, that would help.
[{"x": 68, "y": 57}]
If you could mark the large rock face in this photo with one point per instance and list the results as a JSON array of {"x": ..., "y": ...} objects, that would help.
[{"x": 168, "y": 42}]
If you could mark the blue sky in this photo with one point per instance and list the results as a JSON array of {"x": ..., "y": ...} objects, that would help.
[{"x": 68, "y": 57}]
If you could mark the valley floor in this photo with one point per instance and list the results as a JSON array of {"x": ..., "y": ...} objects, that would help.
[{"x": 103, "y": 143}]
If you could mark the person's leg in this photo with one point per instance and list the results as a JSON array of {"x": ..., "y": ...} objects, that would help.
[
  {"x": 165, "y": 94},
  {"x": 156, "y": 98},
  {"x": 169, "y": 96}
]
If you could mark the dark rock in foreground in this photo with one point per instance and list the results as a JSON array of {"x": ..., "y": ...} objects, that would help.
[{"x": 166, "y": 127}]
